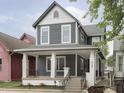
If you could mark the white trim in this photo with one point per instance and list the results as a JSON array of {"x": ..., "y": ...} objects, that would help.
[
  {"x": 69, "y": 25},
  {"x": 76, "y": 64},
  {"x": 56, "y": 63},
  {"x": 48, "y": 35},
  {"x": 36, "y": 64},
  {"x": 76, "y": 33},
  {"x": 36, "y": 36}
]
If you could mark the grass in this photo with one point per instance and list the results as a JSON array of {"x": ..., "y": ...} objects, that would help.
[
  {"x": 18, "y": 85},
  {"x": 12, "y": 84}
]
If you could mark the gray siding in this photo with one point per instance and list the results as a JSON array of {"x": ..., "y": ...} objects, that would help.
[
  {"x": 80, "y": 34},
  {"x": 55, "y": 33},
  {"x": 70, "y": 62}
]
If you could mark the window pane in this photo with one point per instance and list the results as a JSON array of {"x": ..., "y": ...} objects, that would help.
[
  {"x": 57, "y": 63},
  {"x": 48, "y": 64},
  {"x": 120, "y": 59},
  {"x": 66, "y": 35},
  {"x": 44, "y": 35},
  {"x": 61, "y": 63},
  {"x": 44, "y": 39}
]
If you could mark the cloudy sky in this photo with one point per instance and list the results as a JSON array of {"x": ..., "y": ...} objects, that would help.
[{"x": 17, "y": 16}]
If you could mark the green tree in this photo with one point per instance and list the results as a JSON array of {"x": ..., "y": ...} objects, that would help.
[
  {"x": 110, "y": 61},
  {"x": 112, "y": 16}
]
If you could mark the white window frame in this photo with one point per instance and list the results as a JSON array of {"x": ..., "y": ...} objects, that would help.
[
  {"x": 1, "y": 65},
  {"x": 56, "y": 63},
  {"x": 69, "y": 25},
  {"x": 41, "y": 35}
]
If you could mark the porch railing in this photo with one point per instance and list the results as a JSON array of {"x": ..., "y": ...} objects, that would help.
[
  {"x": 83, "y": 82},
  {"x": 66, "y": 79}
]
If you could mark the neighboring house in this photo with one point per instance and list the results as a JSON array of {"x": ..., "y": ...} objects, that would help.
[
  {"x": 119, "y": 58},
  {"x": 28, "y": 39},
  {"x": 62, "y": 43},
  {"x": 11, "y": 62}
]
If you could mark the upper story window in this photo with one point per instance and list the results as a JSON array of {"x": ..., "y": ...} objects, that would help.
[
  {"x": 66, "y": 33},
  {"x": 95, "y": 40},
  {"x": 120, "y": 62},
  {"x": 45, "y": 35},
  {"x": 0, "y": 64},
  {"x": 56, "y": 14}
]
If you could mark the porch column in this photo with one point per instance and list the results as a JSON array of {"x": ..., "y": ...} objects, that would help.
[
  {"x": 53, "y": 65},
  {"x": 36, "y": 65},
  {"x": 25, "y": 66},
  {"x": 91, "y": 77}
]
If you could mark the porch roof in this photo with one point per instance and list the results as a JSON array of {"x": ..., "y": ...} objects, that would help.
[
  {"x": 56, "y": 48},
  {"x": 60, "y": 49}
]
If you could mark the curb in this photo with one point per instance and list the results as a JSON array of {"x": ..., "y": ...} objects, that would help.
[{"x": 39, "y": 90}]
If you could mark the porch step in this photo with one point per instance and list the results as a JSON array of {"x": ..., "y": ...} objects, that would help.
[{"x": 74, "y": 84}]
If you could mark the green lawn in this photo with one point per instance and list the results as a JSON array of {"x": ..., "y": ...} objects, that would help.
[
  {"x": 17, "y": 85},
  {"x": 12, "y": 84}
]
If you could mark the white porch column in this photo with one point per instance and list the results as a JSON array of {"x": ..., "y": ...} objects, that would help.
[
  {"x": 53, "y": 65},
  {"x": 36, "y": 65},
  {"x": 25, "y": 66},
  {"x": 91, "y": 76}
]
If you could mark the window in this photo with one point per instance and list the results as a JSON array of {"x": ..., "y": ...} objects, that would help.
[
  {"x": 120, "y": 62},
  {"x": 56, "y": 14},
  {"x": 45, "y": 35},
  {"x": 95, "y": 40},
  {"x": 60, "y": 63},
  {"x": 0, "y": 64},
  {"x": 66, "y": 34}
]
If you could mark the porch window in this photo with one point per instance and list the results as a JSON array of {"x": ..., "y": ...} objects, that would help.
[
  {"x": 0, "y": 64},
  {"x": 66, "y": 33},
  {"x": 45, "y": 35},
  {"x": 120, "y": 61},
  {"x": 60, "y": 63}
]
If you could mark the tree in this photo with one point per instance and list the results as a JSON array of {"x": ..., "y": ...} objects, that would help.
[
  {"x": 110, "y": 61},
  {"x": 112, "y": 16}
]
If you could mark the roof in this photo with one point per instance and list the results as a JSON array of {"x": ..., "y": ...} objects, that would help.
[
  {"x": 12, "y": 43},
  {"x": 49, "y": 9},
  {"x": 32, "y": 39},
  {"x": 94, "y": 30}
]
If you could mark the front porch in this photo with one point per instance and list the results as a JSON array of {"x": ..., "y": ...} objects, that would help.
[{"x": 85, "y": 61}]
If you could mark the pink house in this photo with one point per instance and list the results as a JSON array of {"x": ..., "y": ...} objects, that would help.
[{"x": 11, "y": 62}]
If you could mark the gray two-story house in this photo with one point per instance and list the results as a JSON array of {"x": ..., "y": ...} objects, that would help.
[{"x": 63, "y": 46}]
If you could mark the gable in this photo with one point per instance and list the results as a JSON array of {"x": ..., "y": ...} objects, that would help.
[{"x": 62, "y": 18}]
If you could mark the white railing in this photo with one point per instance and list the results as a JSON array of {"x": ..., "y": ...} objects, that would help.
[{"x": 66, "y": 77}]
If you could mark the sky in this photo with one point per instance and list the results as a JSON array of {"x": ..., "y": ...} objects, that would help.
[{"x": 17, "y": 16}]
